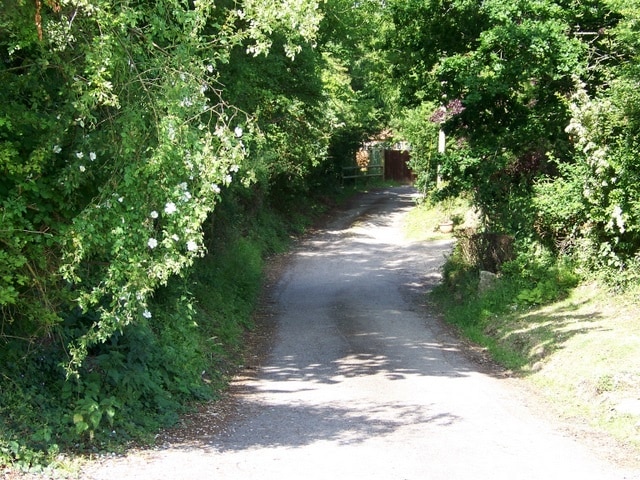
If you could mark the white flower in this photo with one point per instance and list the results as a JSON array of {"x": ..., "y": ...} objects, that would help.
[
  {"x": 215, "y": 188},
  {"x": 234, "y": 168},
  {"x": 92, "y": 156},
  {"x": 146, "y": 314},
  {"x": 238, "y": 131},
  {"x": 175, "y": 237},
  {"x": 57, "y": 149},
  {"x": 183, "y": 185},
  {"x": 192, "y": 246},
  {"x": 152, "y": 243},
  {"x": 153, "y": 214},
  {"x": 82, "y": 169},
  {"x": 121, "y": 199},
  {"x": 210, "y": 68},
  {"x": 170, "y": 208},
  {"x": 617, "y": 216},
  {"x": 186, "y": 196},
  {"x": 227, "y": 179},
  {"x": 79, "y": 154}
]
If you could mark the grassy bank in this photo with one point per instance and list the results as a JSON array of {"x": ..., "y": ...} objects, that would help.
[
  {"x": 583, "y": 353},
  {"x": 145, "y": 376},
  {"x": 578, "y": 345}
]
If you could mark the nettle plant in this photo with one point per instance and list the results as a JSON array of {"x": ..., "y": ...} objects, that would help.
[{"x": 142, "y": 142}]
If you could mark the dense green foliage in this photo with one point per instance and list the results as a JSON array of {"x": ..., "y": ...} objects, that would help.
[
  {"x": 146, "y": 148},
  {"x": 149, "y": 153},
  {"x": 538, "y": 101},
  {"x": 143, "y": 376}
]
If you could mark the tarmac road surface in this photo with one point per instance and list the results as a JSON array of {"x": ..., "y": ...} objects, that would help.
[{"x": 363, "y": 381}]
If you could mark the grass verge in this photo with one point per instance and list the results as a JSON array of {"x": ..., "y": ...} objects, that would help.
[
  {"x": 579, "y": 348},
  {"x": 584, "y": 355},
  {"x": 423, "y": 222}
]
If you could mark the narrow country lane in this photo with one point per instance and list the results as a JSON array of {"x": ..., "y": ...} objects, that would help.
[{"x": 363, "y": 382}]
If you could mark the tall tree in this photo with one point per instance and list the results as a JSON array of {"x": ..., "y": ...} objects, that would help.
[
  {"x": 597, "y": 185},
  {"x": 504, "y": 77}
]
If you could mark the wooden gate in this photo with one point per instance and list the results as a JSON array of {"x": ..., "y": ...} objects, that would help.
[{"x": 395, "y": 166}]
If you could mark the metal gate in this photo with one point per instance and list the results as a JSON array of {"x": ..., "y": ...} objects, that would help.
[
  {"x": 396, "y": 167},
  {"x": 383, "y": 164}
]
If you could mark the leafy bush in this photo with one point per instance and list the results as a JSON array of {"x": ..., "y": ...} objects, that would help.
[
  {"x": 423, "y": 137},
  {"x": 534, "y": 277},
  {"x": 545, "y": 134},
  {"x": 146, "y": 373},
  {"x": 541, "y": 278}
]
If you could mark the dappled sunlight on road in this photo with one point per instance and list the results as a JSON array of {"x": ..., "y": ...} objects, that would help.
[{"x": 368, "y": 353}]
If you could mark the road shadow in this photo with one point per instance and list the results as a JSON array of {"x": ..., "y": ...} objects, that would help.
[
  {"x": 540, "y": 331},
  {"x": 302, "y": 425}
]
